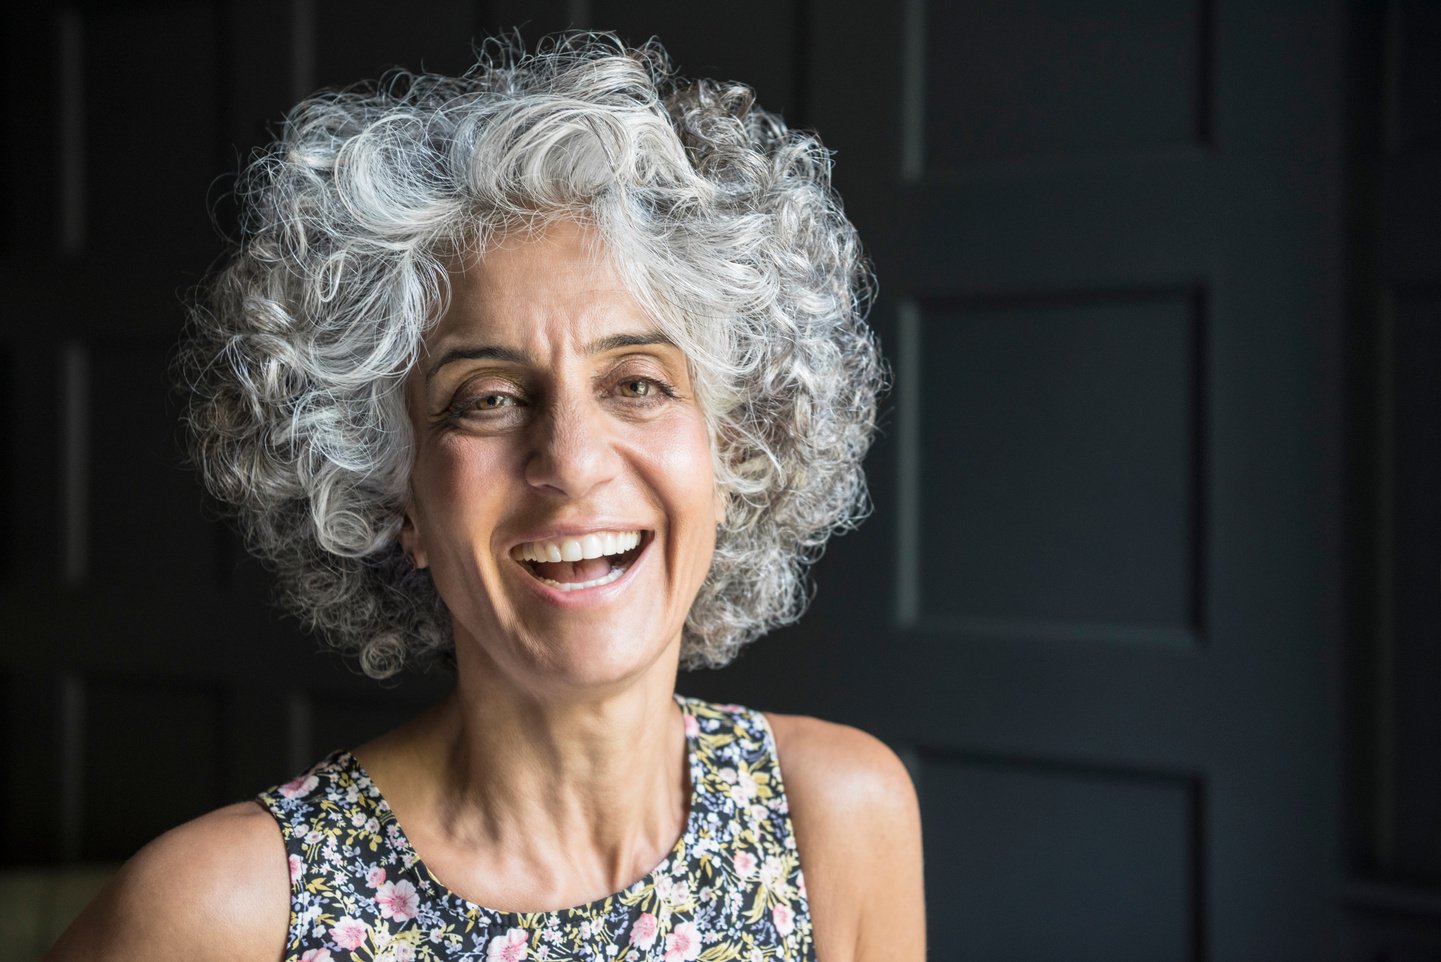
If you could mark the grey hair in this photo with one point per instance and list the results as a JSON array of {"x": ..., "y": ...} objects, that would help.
[{"x": 721, "y": 221}]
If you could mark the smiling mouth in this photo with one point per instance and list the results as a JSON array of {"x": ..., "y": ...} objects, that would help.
[{"x": 570, "y": 564}]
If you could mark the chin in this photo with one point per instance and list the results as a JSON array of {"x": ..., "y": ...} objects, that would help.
[{"x": 575, "y": 657}]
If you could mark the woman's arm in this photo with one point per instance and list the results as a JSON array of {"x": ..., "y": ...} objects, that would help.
[
  {"x": 858, "y": 830},
  {"x": 215, "y": 888}
]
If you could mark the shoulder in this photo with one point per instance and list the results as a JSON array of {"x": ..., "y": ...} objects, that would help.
[
  {"x": 221, "y": 881},
  {"x": 852, "y": 769},
  {"x": 858, "y": 829}
]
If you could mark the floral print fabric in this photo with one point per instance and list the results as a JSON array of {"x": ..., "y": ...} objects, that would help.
[{"x": 731, "y": 889}]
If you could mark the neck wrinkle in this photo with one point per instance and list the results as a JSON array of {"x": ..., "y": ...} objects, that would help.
[{"x": 604, "y": 786}]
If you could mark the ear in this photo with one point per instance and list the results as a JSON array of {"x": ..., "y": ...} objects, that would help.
[
  {"x": 410, "y": 542},
  {"x": 721, "y": 499}
]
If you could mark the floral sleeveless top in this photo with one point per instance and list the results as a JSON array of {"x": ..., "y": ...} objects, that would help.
[{"x": 731, "y": 889}]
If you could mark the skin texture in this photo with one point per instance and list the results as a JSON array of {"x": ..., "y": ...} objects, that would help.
[{"x": 547, "y": 406}]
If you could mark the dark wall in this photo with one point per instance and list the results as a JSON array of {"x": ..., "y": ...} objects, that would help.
[{"x": 1150, "y": 598}]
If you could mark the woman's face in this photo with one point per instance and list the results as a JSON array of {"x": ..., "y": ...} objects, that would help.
[{"x": 562, "y": 493}]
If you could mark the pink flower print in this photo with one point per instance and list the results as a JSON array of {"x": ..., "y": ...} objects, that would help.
[
  {"x": 509, "y": 947},
  {"x": 771, "y": 871},
  {"x": 403, "y": 952},
  {"x": 642, "y": 933},
  {"x": 349, "y": 933},
  {"x": 692, "y": 727},
  {"x": 375, "y": 876},
  {"x": 297, "y": 868},
  {"x": 316, "y": 955},
  {"x": 745, "y": 864},
  {"x": 398, "y": 900},
  {"x": 682, "y": 945},
  {"x": 784, "y": 918},
  {"x": 299, "y": 785}
]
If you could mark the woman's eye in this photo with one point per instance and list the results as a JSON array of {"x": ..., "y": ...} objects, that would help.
[
  {"x": 491, "y": 401},
  {"x": 481, "y": 404},
  {"x": 637, "y": 387}
]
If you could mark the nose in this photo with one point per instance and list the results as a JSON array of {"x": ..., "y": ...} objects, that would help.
[{"x": 573, "y": 451}]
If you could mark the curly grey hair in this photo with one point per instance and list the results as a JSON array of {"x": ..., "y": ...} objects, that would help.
[{"x": 721, "y": 221}]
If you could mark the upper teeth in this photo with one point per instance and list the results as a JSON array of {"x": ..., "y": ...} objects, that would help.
[{"x": 596, "y": 545}]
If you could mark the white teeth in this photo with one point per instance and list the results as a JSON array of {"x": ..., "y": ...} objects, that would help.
[
  {"x": 595, "y": 582},
  {"x": 597, "y": 545}
]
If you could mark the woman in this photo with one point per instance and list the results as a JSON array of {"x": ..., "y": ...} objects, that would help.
[{"x": 554, "y": 373}]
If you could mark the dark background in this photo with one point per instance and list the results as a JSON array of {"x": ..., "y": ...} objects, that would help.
[{"x": 1150, "y": 600}]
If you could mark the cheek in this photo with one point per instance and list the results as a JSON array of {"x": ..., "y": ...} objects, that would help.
[
  {"x": 683, "y": 459},
  {"x": 449, "y": 484}
]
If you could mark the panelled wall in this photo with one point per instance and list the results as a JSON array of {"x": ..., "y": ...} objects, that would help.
[
  {"x": 1394, "y": 858},
  {"x": 1112, "y": 269},
  {"x": 146, "y": 679},
  {"x": 1162, "y": 317}
]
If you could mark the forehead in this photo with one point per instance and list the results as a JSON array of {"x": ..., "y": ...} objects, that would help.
[{"x": 552, "y": 283}]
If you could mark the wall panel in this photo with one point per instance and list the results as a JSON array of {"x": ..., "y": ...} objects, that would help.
[
  {"x": 1005, "y": 81},
  {"x": 1059, "y": 480},
  {"x": 1029, "y": 861},
  {"x": 1417, "y": 38},
  {"x": 1416, "y": 561}
]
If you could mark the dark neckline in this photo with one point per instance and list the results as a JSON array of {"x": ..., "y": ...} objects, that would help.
[{"x": 595, "y": 908}]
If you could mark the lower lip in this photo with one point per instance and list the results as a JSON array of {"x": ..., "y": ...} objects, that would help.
[{"x": 597, "y": 594}]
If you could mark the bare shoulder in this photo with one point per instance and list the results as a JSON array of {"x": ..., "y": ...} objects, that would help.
[
  {"x": 217, "y": 886},
  {"x": 858, "y": 831},
  {"x": 856, "y": 773}
]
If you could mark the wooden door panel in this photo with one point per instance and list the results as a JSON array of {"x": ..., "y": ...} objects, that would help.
[
  {"x": 1100, "y": 480},
  {"x": 1051, "y": 491},
  {"x": 1036, "y": 861}
]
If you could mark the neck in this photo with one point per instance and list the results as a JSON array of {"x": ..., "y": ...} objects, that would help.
[{"x": 585, "y": 792}]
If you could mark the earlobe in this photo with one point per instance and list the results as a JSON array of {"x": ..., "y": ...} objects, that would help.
[
  {"x": 410, "y": 543},
  {"x": 720, "y": 505}
]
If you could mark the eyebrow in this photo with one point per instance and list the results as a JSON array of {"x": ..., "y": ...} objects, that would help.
[{"x": 510, "y": 355}]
